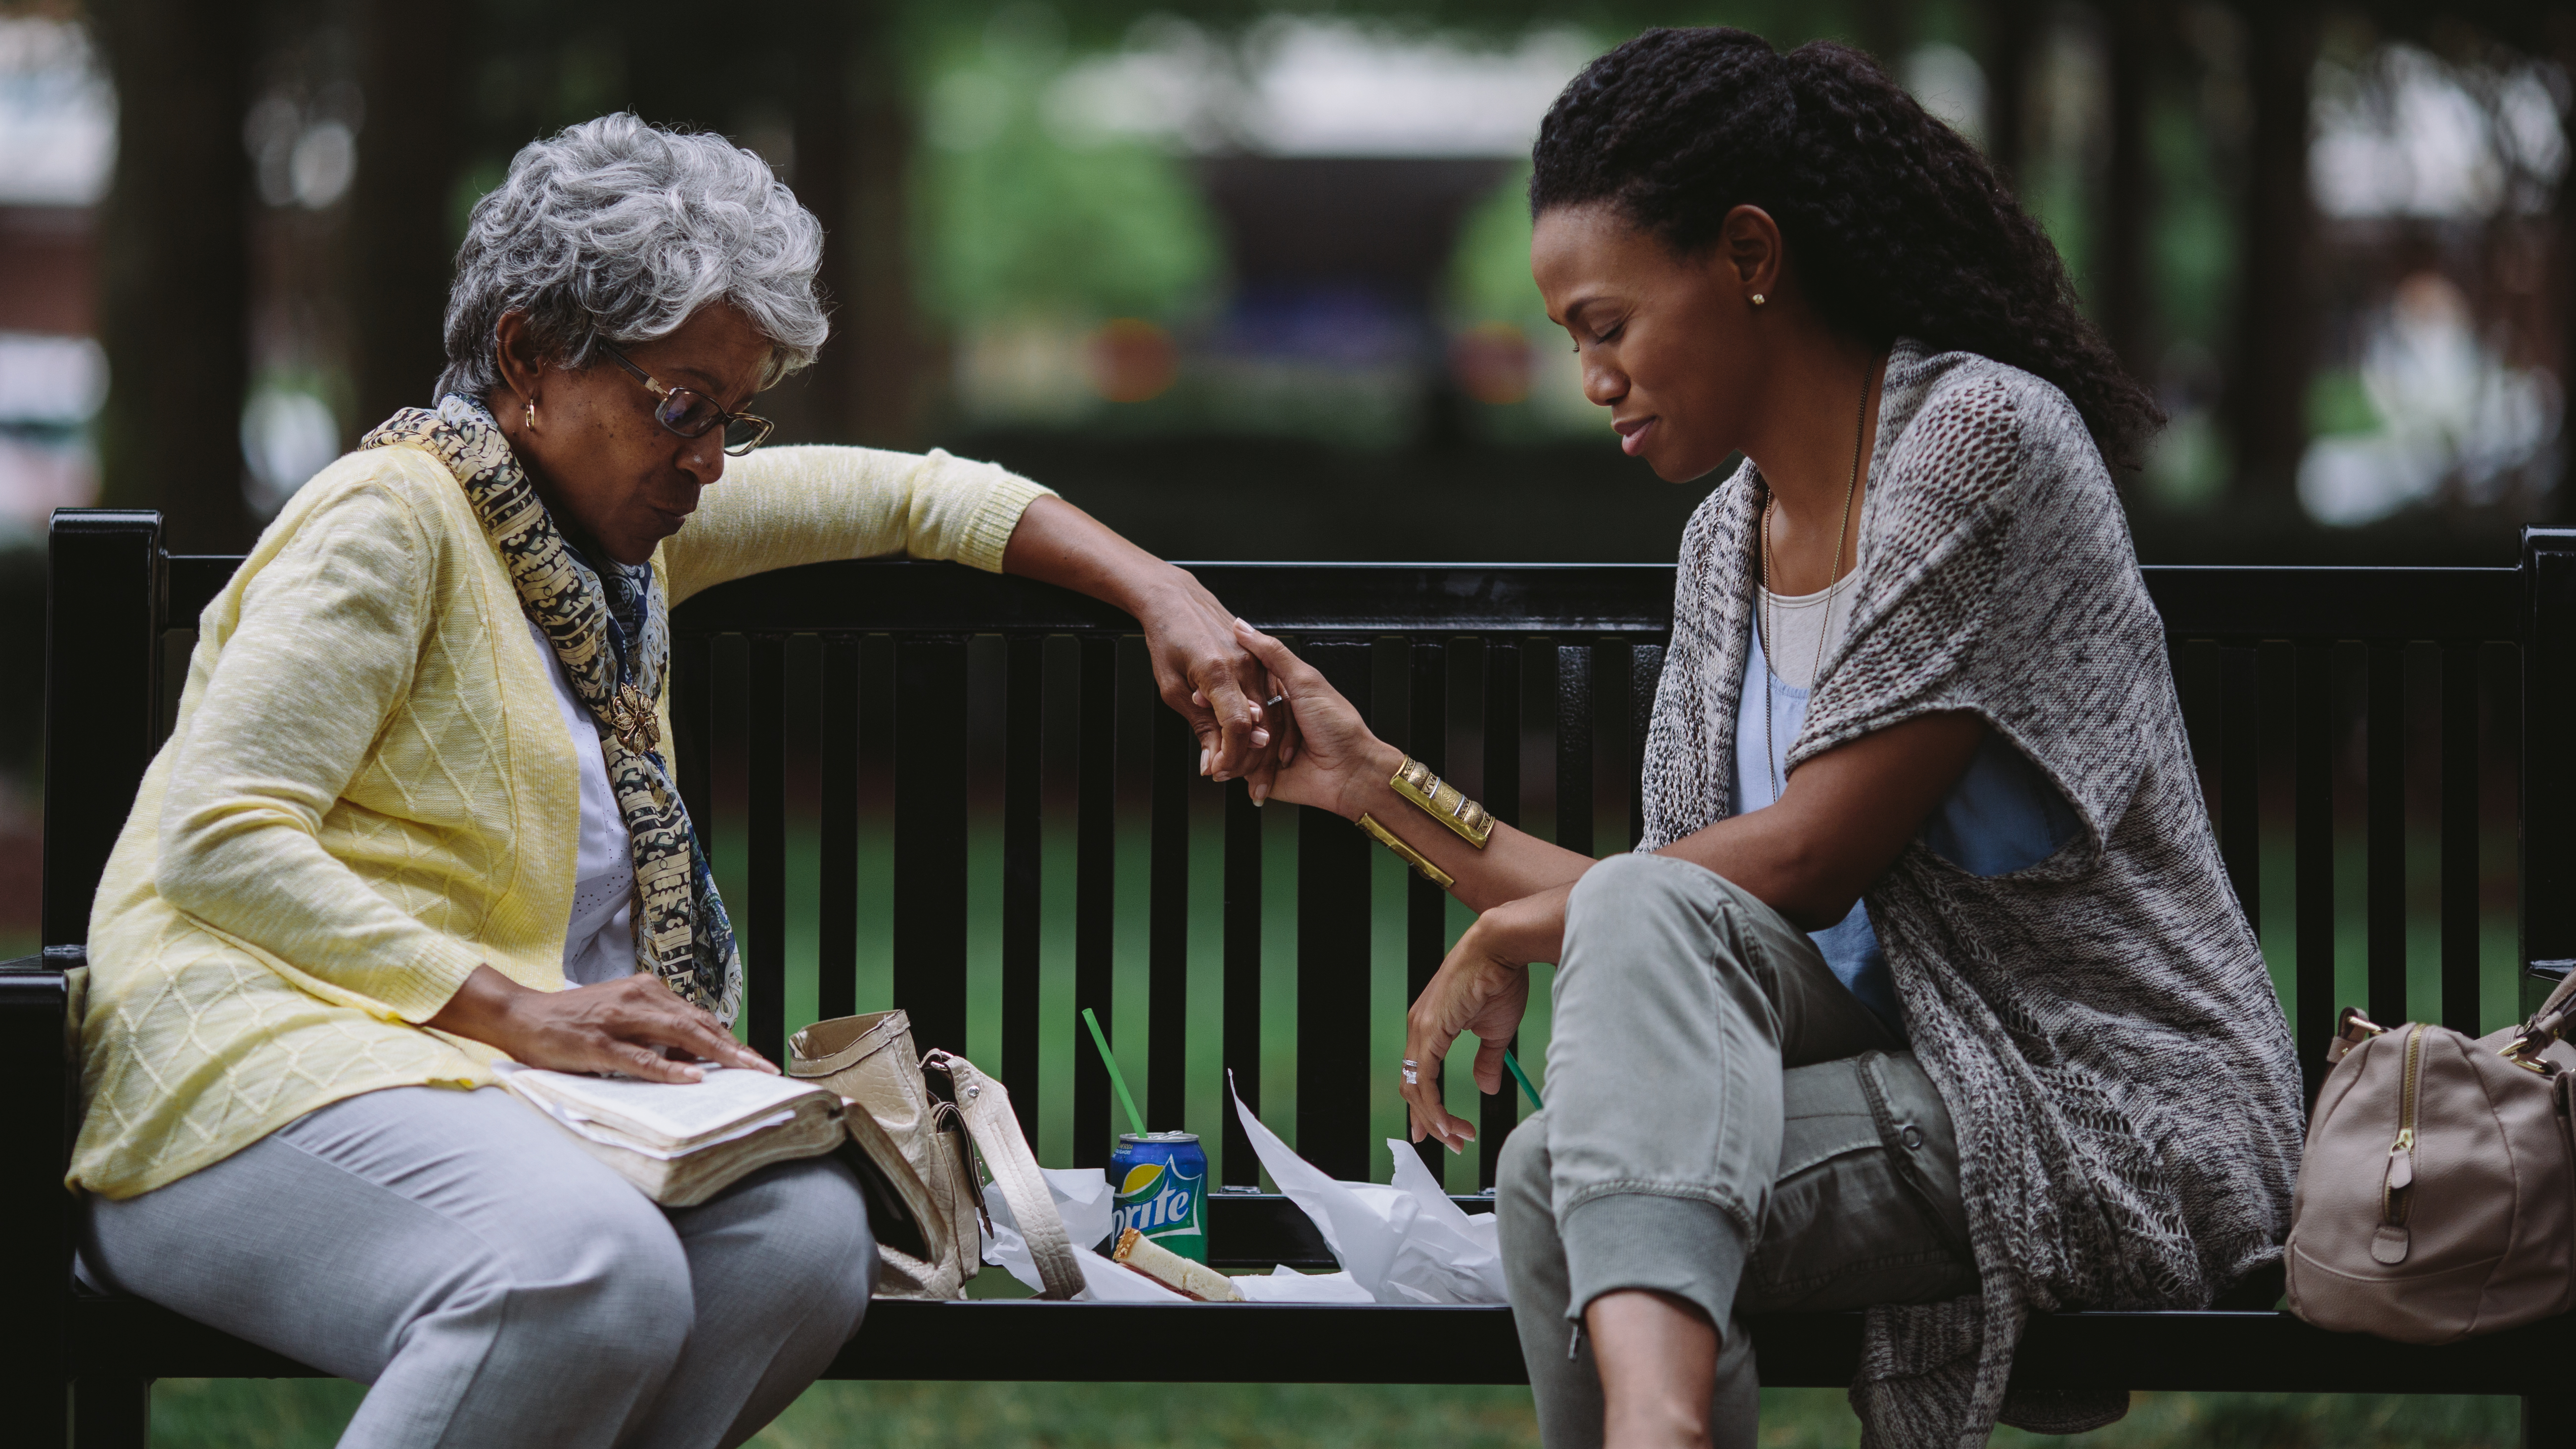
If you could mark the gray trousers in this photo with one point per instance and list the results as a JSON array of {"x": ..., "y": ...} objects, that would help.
[
  {"x": 1725, "y": 1123},
  {"x": 495, "y": 1283}
]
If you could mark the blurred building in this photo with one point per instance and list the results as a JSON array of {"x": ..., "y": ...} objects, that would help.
[
  {"x": 57, "y": 140},
  {"x": 1335, "y": 169}
]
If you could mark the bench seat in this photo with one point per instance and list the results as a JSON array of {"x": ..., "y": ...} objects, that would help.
[{"x": 1011, "y": 1340}]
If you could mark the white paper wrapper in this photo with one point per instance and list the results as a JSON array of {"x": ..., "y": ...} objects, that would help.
[
  {"x": 1401, "y": 1242},
  {"x": 1284, "y": 1284}
]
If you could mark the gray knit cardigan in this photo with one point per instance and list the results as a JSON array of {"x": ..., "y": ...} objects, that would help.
[{"x": 2100, "y": 1024}]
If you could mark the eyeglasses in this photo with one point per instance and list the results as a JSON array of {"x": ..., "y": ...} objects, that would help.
[{"x": 693, "y": 415}]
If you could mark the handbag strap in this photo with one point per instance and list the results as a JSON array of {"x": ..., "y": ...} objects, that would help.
[
  {"x": 986, "y": 1107},
  {"x": 2549, "y": 1022}
]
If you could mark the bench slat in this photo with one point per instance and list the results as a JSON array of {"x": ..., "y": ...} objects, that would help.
[
  {"x": 765, "y": 960},
  {"x": 2313, "y": 1006},
  {"x": 1023, "y": 865},
  {"x": 1167, "y": 943},
  {"x": 1095, "y": 881},
  {"x": 2240, "y": 765},
  {"x": 1505, "y": 701},
  {"x": 1645, "y": 672},
  {"x": 836, "y": 986},
  {"x": 1242, "y": 968},
  {"x": 1334, "y": 1063},
  {"x": 930, "y": 840},
  {"x": 2459, "y": 900},
  {"x": 1426, "y": 906},
  {"x": 2385, "y": 907}
]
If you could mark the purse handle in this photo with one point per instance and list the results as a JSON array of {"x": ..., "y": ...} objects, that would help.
[
  {"x": 2546, "y": 1024},
  {"x": 985, "y": 1104}
]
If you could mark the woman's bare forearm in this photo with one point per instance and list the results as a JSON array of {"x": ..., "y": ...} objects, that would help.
[
  {"x": 1513, "y": 863},
  {"x": 1057, "y": 543},
  {"x": 1844, "y": 818}
]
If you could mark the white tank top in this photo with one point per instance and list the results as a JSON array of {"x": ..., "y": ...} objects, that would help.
[{"x": 599, "y": 938}]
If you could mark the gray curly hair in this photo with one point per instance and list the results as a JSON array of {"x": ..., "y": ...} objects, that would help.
[{"x": 618, "y": 231}]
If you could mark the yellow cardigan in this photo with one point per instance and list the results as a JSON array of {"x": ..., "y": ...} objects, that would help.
[{"x": 370, "y": 790}]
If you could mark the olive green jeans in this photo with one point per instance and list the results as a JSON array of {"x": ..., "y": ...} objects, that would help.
[{"x": 1725, "y": 1123}]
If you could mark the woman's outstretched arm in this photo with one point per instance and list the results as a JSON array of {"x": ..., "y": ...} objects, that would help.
[
  {"x": 1335, "y": 763},
  {"x": 1200, "y": 668},
  {"x": 1839, "y": 824}
]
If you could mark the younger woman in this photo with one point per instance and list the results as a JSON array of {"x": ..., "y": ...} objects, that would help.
[{"x": 1926, "y": 992}]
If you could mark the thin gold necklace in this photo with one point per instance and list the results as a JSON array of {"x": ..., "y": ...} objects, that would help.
[{"x": 1770, "y": 627}]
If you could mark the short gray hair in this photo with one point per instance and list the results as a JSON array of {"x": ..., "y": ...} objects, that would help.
[{"x": 618, "y": 231}]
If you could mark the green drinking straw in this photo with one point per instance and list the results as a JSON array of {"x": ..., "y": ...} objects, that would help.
[
  {"x": 1135, "y": 1119},
  {"x": 1509, "y": 1060}
]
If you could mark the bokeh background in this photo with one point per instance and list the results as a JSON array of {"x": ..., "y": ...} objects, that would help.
[{"x": 1250, "y": 281}]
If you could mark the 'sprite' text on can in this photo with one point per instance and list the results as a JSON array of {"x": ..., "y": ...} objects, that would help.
[{"x": 1161, "y": 1178}]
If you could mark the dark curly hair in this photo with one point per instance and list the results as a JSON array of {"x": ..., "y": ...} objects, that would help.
[{"x": 1898, "y": 225}]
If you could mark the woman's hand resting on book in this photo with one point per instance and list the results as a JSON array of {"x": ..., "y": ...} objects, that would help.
[{"x": 627, "y": 1026}]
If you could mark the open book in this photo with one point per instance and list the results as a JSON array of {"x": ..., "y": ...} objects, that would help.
[{"x": 684, "y": 1142}]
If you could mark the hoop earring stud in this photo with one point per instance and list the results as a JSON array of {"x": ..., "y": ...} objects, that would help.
[
  {"x": 532, "y": 415},
  {"x": 1758, "y": 299}
]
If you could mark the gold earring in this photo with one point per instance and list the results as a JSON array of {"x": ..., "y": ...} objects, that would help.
[
  {"x": 1757, "y": 300},
  {"x": 532, "y": 415}
]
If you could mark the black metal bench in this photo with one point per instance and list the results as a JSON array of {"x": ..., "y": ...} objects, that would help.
[{"x": 2281, "y": 668}]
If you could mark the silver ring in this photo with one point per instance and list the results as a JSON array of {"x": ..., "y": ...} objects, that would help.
[
  {"x": 1274, "y": 701},
  {"x": 1410, "y": 1062},
  {"x": 1411, "y": 1077}
]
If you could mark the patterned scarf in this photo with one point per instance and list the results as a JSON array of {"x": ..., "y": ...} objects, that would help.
[{"x": 610, "y": 630}]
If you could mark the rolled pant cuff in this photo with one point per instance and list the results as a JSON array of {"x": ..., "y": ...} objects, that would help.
[{"x": 1688, "y": 1247}]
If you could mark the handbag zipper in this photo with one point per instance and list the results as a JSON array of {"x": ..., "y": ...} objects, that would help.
[{"x": 2401, "y": 1153}]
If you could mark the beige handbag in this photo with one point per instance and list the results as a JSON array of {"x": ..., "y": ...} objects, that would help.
[
  {"x": 925, "y": 1149},
  {"x": 2437, "y": 1196}
]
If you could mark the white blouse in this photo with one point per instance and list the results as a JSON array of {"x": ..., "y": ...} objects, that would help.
[{"x": 599, "y": 940}]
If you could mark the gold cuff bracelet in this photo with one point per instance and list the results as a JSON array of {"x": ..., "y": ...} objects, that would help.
[
  {"x": 1443, "y": 801},
  {"x": 1412, "y": 857}
]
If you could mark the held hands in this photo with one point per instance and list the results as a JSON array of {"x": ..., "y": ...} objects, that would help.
[
  {"x": 618, "y": 1026},
  {"x": 1332, "y": 753},
  {"x": 1205, "y": 674},
  {"x": 1483, "y": 987}
]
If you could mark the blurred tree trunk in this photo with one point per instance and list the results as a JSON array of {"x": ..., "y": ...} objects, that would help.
[
  {"x": 174, "y": 270},
  {"x": 2012, "y": 31},
  {"x": 888, "y": 368},
  {"x": 823, "y": 123},
  {"x": 2562, "y": 34},
  {"x": 2122, "y": 298},
  {"x": 669, "y": 81},
  {"x": 401, "y": 244},
  {"x": 2276, "y": 309},
  {"x": 1882, "y": 31}
]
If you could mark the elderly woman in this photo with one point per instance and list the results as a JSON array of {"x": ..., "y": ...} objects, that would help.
[{"x": 417, "y": 816}]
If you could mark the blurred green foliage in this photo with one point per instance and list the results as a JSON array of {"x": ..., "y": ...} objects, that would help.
[{"x": 1489, "y": 279}]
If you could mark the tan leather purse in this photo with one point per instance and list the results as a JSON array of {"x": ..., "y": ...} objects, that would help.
[
  {"x": 918, "y": 1157},
  {"x": 2437, "y": 1195}
]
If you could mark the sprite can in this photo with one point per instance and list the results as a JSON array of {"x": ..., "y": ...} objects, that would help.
[{"x": 1161, "y": 1179}]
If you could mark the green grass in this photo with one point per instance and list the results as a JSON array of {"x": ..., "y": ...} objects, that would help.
[{"x": 296, "y": 1413}]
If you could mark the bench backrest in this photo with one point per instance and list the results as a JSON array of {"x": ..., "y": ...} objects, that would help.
[{"x": 934, "y": 742}]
